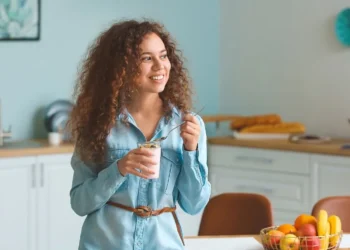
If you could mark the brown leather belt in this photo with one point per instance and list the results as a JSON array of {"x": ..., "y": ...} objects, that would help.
[{"x": 146, "y": 211}]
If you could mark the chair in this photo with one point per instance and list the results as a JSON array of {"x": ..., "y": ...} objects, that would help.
[
  {"x": 338, "y": 205},
  {"x": 236, "y": 214}
]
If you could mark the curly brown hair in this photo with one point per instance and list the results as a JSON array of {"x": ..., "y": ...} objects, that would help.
[{"x": 105, "y": 84}]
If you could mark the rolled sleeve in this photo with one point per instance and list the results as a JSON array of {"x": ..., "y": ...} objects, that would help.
[{"x": 193, "y": 185}]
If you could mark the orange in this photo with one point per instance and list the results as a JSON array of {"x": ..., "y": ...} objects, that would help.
[
  {"x": 304, "y": 219},
  {"x": 287, "y": 229}
]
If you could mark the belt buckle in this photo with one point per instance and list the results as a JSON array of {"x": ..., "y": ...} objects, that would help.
[{"x": 143, "y": 211}]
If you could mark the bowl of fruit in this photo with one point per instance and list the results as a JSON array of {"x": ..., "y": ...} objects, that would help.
[{"x": 307, "y": 233}]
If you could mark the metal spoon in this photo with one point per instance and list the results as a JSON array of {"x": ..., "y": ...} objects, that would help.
[{"x": 164, "y": 137}]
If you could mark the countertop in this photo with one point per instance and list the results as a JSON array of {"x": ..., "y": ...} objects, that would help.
[
  {"x": 330, "y": 148},
  {"x": 40, "y": 147}
]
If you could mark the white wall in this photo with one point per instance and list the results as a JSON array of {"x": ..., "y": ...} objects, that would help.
[{"x": 282, "y": 56}]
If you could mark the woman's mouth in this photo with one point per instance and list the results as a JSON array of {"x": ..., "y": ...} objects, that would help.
[{"x": 157, "y": 77}]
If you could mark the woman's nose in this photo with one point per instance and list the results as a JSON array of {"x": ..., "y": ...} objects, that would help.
[{"x": 158, "y": 64}]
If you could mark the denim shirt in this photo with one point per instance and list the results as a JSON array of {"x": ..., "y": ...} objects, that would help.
[{"x": 183, "y": 181}]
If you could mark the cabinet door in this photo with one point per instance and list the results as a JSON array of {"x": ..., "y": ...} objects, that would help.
[
  {"x": 17, "y": 210},
  {"x": 288, "y": 193},
  {"x": 331, "y": 176},
  {"x": 59, "y": 226}
]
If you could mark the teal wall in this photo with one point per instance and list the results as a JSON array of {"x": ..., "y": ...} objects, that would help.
[{"x": 33, "y": 74}]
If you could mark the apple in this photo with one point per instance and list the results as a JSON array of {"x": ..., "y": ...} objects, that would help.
[
  {"x": 310, "y": 243},
  {"x": 273, "y": 238},
  {"x": 306, "y": 230},
  {"x": 290, "y": 242}
]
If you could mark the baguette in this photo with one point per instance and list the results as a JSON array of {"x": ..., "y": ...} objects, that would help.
[
  {"x": 246, "y": 121},
  {"x": 282, "y": 128}
]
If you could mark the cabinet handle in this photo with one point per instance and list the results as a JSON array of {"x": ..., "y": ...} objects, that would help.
[
  {"x": 41, "y": 174},
  {"x": 255, "y": 188},
  {"x": 33, "y": 176},
  {"x": 254, "y": 159}
]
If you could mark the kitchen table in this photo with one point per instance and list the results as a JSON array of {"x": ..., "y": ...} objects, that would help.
[{"x": 238, "y": 242}]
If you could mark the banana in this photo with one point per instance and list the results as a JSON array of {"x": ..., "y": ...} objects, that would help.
[
  {"x": 322, "y": 221},
  {"x": 324, "y": 240},
  {"x": 335, "y": 229}
]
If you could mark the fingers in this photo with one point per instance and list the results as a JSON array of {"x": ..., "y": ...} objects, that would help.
[
  {"x": 138, "y": 173},
  {"x": 145, "y": 160},
  {"x": 191, "y": 118},
  {"x": 139, "y": 162},
  {"x": 186, "y": 136},
  {"x": 139, "y": 169},
  {"x": 191, "y": 128},
  {"x": 142, "y": 151},
  {"x": 144, "y": 169}
]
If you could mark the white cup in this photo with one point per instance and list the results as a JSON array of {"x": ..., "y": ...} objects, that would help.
[
  {"x": 154, "y": 147},
  {"x": 54, "y": 138}
]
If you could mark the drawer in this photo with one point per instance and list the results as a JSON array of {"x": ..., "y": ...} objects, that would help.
[
  {"x": 286, "y": 191},
  {"x": 260, "y": 159}
]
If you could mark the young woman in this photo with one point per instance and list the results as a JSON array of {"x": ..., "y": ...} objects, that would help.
[{"x": 133, "y": 88}]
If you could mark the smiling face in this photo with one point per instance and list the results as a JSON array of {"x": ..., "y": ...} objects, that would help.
[{"x": 154, "y": 65}]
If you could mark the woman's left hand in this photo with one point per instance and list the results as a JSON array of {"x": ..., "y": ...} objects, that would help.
[{"x": 190, "y": 132}]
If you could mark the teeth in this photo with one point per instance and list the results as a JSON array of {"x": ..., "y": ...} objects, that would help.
[{"x": 157, "y": 77}]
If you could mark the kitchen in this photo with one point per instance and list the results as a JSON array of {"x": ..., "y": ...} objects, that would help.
[{"x": 256, "y": 58}]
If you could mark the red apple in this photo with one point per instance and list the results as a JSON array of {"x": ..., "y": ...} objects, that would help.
[
  {"x": 310, "y": 243},
  {"x": 307, "y": 230}
]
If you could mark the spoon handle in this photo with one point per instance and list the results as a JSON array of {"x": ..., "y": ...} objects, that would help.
[{"x": 184, "y": 121}]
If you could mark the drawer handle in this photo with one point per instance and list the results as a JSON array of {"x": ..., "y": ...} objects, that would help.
[
  {"x": 255, "y": 189},
  {"x": 254, "y": 159},
  {"x": 33, "y": 176}
]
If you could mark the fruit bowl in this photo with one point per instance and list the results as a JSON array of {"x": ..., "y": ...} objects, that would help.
[{"x": 272, "y": 240}]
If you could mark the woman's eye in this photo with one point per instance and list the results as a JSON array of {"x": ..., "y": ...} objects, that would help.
[
  {"x": 147, "y": 58},
  {"x": 164, "y": 56}
]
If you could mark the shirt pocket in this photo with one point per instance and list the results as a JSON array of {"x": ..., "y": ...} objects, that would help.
[
  {"x": 112, "y": 156},
  {"x": 169, "y": 171}
]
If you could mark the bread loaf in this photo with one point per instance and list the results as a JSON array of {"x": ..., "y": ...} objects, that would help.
[
  {"x": 247, "y": 121},
  {"x": 282, "y": 128}
]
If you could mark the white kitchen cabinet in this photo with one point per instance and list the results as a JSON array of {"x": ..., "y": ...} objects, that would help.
[
  {"x": 35, "y": 204},
  {"x": 331, "y": 176},
  {"x": 18, "y": 207},
  {"x": 287, "y": 193},
  {"x": 283, "y": 177},
  {"x": 59, "y": 227}
]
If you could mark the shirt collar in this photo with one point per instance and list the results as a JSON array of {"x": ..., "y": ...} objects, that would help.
[{"x": 173, "y": 109}]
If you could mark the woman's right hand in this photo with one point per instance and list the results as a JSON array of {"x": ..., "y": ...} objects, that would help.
[{"x": 135, "y": 162}]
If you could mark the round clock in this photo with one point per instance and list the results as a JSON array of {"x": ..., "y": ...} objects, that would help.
[{"x": 342, "y": 27}]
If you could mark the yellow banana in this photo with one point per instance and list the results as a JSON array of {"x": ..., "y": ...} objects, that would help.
[
  {"x": 322, "y": 221},
  {"x": 335, "y": 229},
  {"x": 324, "y": 240}
]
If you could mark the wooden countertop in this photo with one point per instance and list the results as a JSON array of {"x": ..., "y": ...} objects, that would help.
[
  {"x": 43, "y": 148},
  {"x": 331, "y": 148}
]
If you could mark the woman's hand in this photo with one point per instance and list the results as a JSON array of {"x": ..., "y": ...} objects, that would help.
[
  {"x": 136, "y": 162},
  {"x": 190, "y": 132}
]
